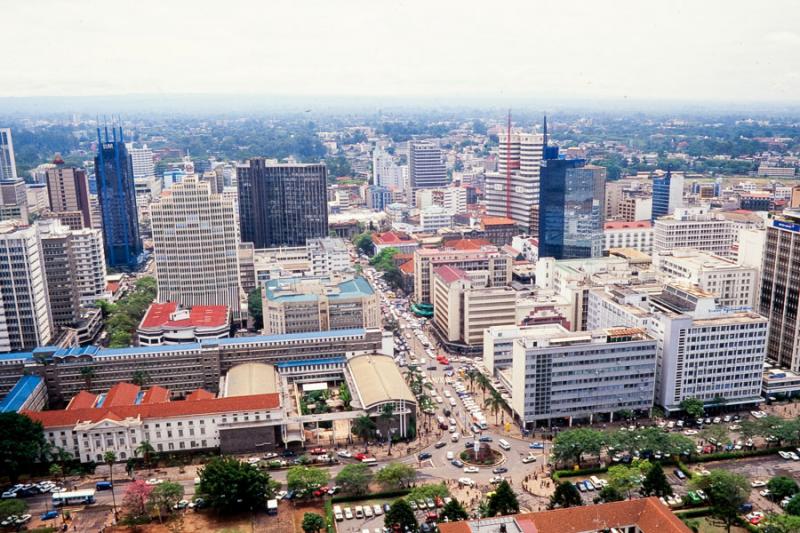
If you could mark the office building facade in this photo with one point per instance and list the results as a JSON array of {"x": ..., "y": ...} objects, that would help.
[
  {"x": 426, "y": 169},
  {"x": 195, "y": 246},
  {"x": 68, "y": 191},
  {"x": 667, "y": 194},
  {"x": 8, "y": 165},
  {"x": 117, "y": 196},
  {"x": 282, "y": 204}
]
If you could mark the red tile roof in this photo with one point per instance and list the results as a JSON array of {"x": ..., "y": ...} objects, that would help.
[
  {"x": 64, "y": 418},
  {"x": 450, "y": 274},
  {"x": 121, "y": 394},
  {"x": 496, "y": 221},
  {"x": 391, "y": 237},
  {"x": 648, "y": 514},
  {"x": 156, "y": 395},
  {"x": 82, "y": 400},
  {"x": 407, "y": 267},
  {"x": 622, "y": 224},
  {"x": 199, "y": 394},
  {"x": 466, "y": 244},
  {"x": 199, "y": 316},
  {"x": 112, "y": 286}
]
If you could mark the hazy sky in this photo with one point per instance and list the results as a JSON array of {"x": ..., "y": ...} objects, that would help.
[{"x": 636, "y": 49}]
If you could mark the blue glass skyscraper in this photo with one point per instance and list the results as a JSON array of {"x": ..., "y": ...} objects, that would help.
[
  {"x": 661, "y": 195},
  {"x": 117, "y": 196}
]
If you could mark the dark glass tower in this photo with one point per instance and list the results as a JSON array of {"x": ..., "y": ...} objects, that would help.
[
  {"x": 570, "y": 209},
  {"x": 282, "y": 204},
  {"x": 115, "y": 189},
  {"x": 661, "y": 190}
]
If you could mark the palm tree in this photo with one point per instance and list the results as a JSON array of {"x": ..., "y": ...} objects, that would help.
[
  {"x": 88, "y": 374},
  {"x": 387, "y": 413},
  {"x": 495, "y": 403},
  {"x": 471, "y": 377},
  {"x": 146, "y": 450},
  {"x": 483, "y": 382},
  {"x": 110, "y": 458},
  {"x": 56, "y": 471},
  {"x": 140, "y": 377},
  {"x": 364, "y": 427}
]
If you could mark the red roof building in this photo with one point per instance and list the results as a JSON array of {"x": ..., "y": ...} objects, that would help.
[
  {"x": 167, "y": 323},
  {"x": 394, "y": 239},
  {"x": 466, "y": 244}
]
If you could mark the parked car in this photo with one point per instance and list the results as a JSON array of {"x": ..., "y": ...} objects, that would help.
[
  {"x": 679, "y": 473},
  {"x": 424, "y": 455}
]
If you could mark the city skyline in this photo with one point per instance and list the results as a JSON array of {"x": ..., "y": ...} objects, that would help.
[{"x": 625, "y": 50}]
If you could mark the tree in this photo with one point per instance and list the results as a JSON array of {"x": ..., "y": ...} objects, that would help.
[
  {"x": 22, "y": 444},
  {"x": 609, "y": 493},
  {"x": 503, "y": 501},
  {"x": 655, "y": 482},
  {"x": 716, "y": 435},
  {"x": 140, "y": 377},
  {"x": 56, "y": 471},
  {"x": 88, "y": 374},
  {"x": 781, "y": 487},
  {"x": 385, "y": 416},
  {"x": 165, "y": 496},
  {"x": 110, "y": 458},
  {"x": 146, "y": 450},
  {"x": 396, "y": 476},
  {"x": 254, "y": 307},
  {"x": 12, "y": 507},
  {"x": 453, "y": 511},
  {"x": 793, "y": 507},
  {"x": 364, "y": 243},
  {"x": 624, "y": 478},
  {"x": 134, "y": 502},
  {"x": 230, "y": 485},
  {"x": 306, "y": 478},
  {"x": 726, "y": 492},
  {"x": 400, "y": 517},
  {"x": 364, "y": 428},
  {"x": 782, "y": 523},
  {"x": 565, "y": 495},
  {"x": 355, "y": 478},
  {"x": 312, "y": 522},
  {"x": 693, "y": 407},
  {"x": 570, "y": 445},
  {"x": 494, "y": 403}
]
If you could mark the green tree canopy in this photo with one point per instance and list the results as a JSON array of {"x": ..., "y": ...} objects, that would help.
[
  {"x": 312, "y": 522},
  {"x": 229, "y": 485},
  {"x": 793, "y": 507},
  {"x": 569, "y": 446},
  {"x": 693, "y": 407},
  {"x": 565, "y": 495},
  {"x": 400, "y": 516},
  {"x": 782, "y": 523},
  {"x": 164, "y": 496},
  {"x": 12, "y": 507},
  {"x": 355, "y": 478},
  {"x": 781, "y": 487},
  {"x": 726, "y": 491},
  {"x": 503, "y": 501},
  {"x": 609, "y": 494},
  {"x": 396, "y": 476},
  {"x": 655, "y": 482},
  {"x": 716, "y": 434},
  {"x": 453, "y": 511},
  {"x": 254, "y": 307},
  {"x": 364, "y": 243},
  {"x": 22, "y": 444},
  {"x": 306, "y": 478}
]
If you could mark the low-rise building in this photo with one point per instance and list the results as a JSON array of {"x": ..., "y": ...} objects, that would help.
[
  {"x": 402, "y": 242},
  {"x": 622, "y": 234},
  {"x": 694, "y": 227},
  {"x": 167, "y": 323}
]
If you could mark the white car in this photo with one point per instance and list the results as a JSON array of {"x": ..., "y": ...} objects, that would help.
[
  {"x": 690, "y": 432},
  {"x": 377, "y": 510},
  {"x": 765, "y": 493},
  {"x": 471, "y": 469},
  {"x": 496, "y": 479},
  {"x": 450, "y": 456},
  {"x": 794, "y": 457},
  {"x": 348, "y": 513},
  {"x": 785, "y": 455},
  {"x": 528, "y": 459},
  {"x": 467, "y": 482}
]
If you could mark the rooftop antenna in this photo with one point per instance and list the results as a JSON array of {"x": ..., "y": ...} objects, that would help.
[{"x": 508, "y": 166}]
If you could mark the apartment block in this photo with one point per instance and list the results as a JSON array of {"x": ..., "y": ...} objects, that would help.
[
  {"x": 694, "y": 227},
  {"x": 489, "y": 263},
  {"x": 637, "y": 235}
]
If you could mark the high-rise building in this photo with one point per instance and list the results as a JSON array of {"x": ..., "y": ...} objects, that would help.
[
  {"x": 117, "y": 195},
  {"x": 385, "y": 172},
  {"x": 570, "y": 210},
  {"x": 196, "y": 246},
  {"x": 25, "y": 320},
  {"x": 142, "y": 161},
  {"x": 667, "y": 194},
  {"x": 426, "y": 168},
  {"x": 68, "y": 190},
  {"x": 13, "y": 199},
  {"x": 513, "y": 191},
  {"x": 282, "y": 204},
  {"x": 694, "y": 227},
  {"x": 780, "y": 272},
  {"x": 8, "y": 166},
  {"x": 488, "y": 264}
]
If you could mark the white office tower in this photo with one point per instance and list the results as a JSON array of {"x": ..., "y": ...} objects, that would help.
[
  {"x": 196, "y": 246},
  {"x": 25, "y": 320},
  {"x": 385, "y": 172},
  {"x": 90, "y": 265},
  {"x": 143, "y": 164},
  {"x": 8, "y": 167},
  {"x": 426, "y": 168},
  {"x": 513, "y": 191},
  {"x": 694, "y": 227},
  {"x": 705, "y": 351}
]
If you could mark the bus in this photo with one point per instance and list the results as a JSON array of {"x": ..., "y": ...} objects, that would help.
[
  {"x": 85, "y": 496},
  {"x": 503, "y": 443}
]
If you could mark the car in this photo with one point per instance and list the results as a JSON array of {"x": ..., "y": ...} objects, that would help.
[
  {"x": 499, "y": 470},
  {"x": 22, "y": 519},
  {"x": 471, "y": 470},
  {"x": 580, "y": 486},
  {"x": 765, "y": 493},
  {"x": 485, "y": 438},
  {"x": 528, "y": 459},
  {"x": 679, "y": 474},
  {"x": 360, "y": 456},
  {"x": 368, "y": 511},
  {"x": 359, "y": 512},
  {"x": 717, "y": 420},
  {"x": 49, "y": 515},
  {"x": 496, "y": 479},
  {"x": 536, "y": 446},
  {"x": 412, "y": 504},
  {"x": 333, "y": 490},
  {"x": 429, "y": 503},
  {"x": 154, "y": 481},
  {"x": 348, "y": 513},
  {"x": 457, "y": 463},
  {"x": 318, "y": 451},
  {"x": 794, "y": 457},
  {"x": 424, "y": 455},
  {"x": 440, "y": 444},
  {"x": 703, "y": 496},
  {"x": 386, "y": 507},
  {"x": 784, "y": 455},
  {"x": 450, "y": 456},
  {"x": 376, "y": 509},
  {"x": 421, "y": 505},
  {"x": 183, "y": 504},
  {"x": 690, "y": 432},
  {"x": 467, "y": 482}
]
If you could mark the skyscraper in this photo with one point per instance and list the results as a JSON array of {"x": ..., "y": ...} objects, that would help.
[
  {"x": 8, "y": 167},
  {"x": 667, "y": 194},
  {"x": 570, "y": 210},
  {"x": 780, "y": 272},
  {"x": 68, "y": 190},
  {"x": 25, "y": 320},
  {"x": 196, "y": 246},
  {"x": 142, "y": 161},
  {"x": 117, "y": 195},
  {"x": 513, "y": 191},
  {"x": 13, "y": 199},
  {"x": 282, "y": 204},
  {"x": 426, "y": 169}
]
